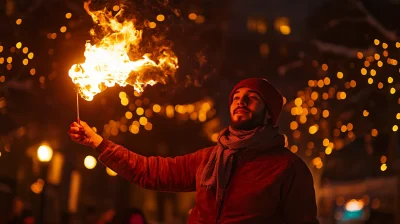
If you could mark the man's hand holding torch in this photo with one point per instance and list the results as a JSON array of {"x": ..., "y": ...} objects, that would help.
[{"x": 83, "y": 134}]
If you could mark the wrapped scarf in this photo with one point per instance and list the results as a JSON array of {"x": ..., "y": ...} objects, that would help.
[{"x": 217, "y": 171}]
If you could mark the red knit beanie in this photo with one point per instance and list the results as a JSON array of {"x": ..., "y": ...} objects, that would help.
[{"x": 271, "y": 96}]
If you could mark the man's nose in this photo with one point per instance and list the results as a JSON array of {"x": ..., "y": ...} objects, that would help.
[{"x": 242, "y": 101}]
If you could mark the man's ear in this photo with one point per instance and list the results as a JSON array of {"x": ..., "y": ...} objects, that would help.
[{"x": 267, "y": 119}]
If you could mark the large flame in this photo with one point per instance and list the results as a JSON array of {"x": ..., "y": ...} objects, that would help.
[{"x": 108, "y": 63}]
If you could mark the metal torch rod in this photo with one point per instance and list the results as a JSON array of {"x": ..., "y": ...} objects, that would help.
[{"x": 77, "y": 108}]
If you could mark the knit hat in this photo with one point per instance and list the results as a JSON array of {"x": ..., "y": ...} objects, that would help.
[{"x": 271, "y": 96}]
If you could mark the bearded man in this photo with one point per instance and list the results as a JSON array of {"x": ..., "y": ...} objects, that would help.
[{"x": 248, "y": 177}]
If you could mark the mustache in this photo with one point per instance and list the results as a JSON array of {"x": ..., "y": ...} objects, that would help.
[{"x": 241, "y": 108}]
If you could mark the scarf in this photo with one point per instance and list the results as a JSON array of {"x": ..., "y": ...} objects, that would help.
[{"x": 218, "y": 169}]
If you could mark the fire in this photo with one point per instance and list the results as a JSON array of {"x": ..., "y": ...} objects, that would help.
[{"x": 108, "y": 61}]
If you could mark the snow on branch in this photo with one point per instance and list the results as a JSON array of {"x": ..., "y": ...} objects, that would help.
[{"x": 341, "y": 49}]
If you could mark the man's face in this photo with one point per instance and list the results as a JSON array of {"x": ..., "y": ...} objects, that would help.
[{"x": 247, "y": 109}]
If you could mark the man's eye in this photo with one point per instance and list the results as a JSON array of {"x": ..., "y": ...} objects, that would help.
[
  {"x": 254, "y": 97},
  {"x": 235, "y": 98}
]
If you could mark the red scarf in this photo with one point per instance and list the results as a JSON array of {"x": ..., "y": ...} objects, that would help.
[{"x": 230, "y": 141}]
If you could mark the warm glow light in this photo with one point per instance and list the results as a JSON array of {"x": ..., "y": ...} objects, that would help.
[
  {"x": 383, "y": 167},
  {"x": 128, "y": 115},
  {"x": 374, "y": 132},
  {"x": 294, "y": 125},
  {"x": 152, "y": 25},
  {"x": 294, "y": 149},
  {"x": 395, "y": 128},
  {"x": 139, "y": 111},
  {"x": 363, "y": 71},
  {"x": 298, "y": 102},
  {"x": 285, "y": 30},
  {"x": 354, "y": 205},
  {"x": 148, "y": 126},
  {"x": 328, "y": 150},
  {"x": 340, "y": 75},
  {"x": 192, "y": 16},
  {"x": 342, "y": 95},
  {"x": 107, "y": 61},
  {"x": 143, "y": 120},
  {"x": 313, "y": 129},
  {"x": 110, "y": 172},
  {"x": 90, "y": 162},
  {"x": 383, "y": 159},
  {"x": 156, "y": 108},
  {"x": 160, "y": 18},
  {"x": 116, "y": 8},
  {"x": 124, "y": 101},
  {"x": 200, "y": 19},
  {"x": 44, "y": 153}
]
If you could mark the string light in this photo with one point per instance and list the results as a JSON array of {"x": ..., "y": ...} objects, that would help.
[{"x": 319, "y": 95}]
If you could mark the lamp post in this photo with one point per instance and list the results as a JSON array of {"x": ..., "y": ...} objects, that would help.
[{"x": 44, "y": 154}]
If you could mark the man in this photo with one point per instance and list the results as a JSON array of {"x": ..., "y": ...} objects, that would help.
[{"x": 248, "y": 177}]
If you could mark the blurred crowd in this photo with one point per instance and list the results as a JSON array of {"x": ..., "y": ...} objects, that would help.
[{"x": 22, "y": 215}]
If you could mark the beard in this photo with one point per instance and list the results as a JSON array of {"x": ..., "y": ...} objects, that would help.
[{"x": 250, "y": 124}]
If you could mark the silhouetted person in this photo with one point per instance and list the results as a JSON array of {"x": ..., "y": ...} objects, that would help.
[{"x": 133, "y": 216}]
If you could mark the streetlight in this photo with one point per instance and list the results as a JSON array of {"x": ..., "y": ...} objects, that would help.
[
  {"x": 90, "y": 162},
  {"x": 44, "y": 153}
]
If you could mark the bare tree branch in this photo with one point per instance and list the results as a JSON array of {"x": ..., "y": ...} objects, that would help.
[
  {"x": 371, "y": 20},
  {"x": 285, "y": 68},
  {"x": 335, "y": 22}
]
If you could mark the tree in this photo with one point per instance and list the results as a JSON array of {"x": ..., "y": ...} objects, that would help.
[{"x": 352, "y": 92}]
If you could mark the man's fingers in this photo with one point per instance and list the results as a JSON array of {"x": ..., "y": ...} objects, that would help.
[
  {"x": 74, "y": 124},
  {"x": 84, "y": 124},
  {"x": 76, "y": 136},
  {"x": 75, "y": 130}
]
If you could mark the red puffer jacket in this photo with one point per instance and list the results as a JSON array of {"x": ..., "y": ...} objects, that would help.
[{"x": 270, "y": 186}]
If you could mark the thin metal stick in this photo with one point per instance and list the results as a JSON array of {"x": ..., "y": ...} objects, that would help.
[{"x": 77, "y": 108}]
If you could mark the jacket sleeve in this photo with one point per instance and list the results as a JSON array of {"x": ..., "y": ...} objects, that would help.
[
  {"x": 155, "y": 173},
  {"x": 298, "y": 195}
]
